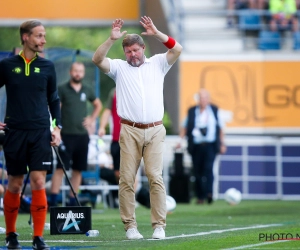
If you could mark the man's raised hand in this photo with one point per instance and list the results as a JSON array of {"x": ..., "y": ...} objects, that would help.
[
  {"x": 150, "y": 28},
  {"x": 116, "y": 29}
]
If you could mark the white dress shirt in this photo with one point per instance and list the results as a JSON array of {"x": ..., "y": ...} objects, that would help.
[
  {"x": 205, "y": 119},
  {"x": 140, "y": 89}
]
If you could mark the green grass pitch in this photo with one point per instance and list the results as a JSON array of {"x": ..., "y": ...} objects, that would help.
[{"x": 249, "y": 225}]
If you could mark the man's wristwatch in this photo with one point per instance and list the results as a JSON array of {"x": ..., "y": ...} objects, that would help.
[{"x": 59, "y": 126}]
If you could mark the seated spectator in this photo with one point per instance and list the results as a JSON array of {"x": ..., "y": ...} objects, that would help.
[
  {"x": 260, "y": 4},
  {"x": 233, "y": 5},
  {"x": 283, "y": 15}
]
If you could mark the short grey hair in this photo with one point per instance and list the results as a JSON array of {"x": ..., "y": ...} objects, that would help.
[{"x": 132, "y": 39}]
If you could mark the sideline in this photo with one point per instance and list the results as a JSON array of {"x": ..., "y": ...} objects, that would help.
[
  {"x": 221, "y": 231},
  {"x": 170, "y": 237},
  {"x": 256, "y": 245}
]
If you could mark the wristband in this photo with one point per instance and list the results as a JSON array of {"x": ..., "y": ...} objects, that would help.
[
  {"x": 53, "y": 124},
  {"x": 170, "y": 43}
]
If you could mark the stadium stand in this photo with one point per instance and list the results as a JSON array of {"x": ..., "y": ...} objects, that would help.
[
  {"x": 211, "y": 17},
  {"x": 249, "y": 20},
  {"x": 269, "y": 40},
  {"x": 296, "y": 37}
]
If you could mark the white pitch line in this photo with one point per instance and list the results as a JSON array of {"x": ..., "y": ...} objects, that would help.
[
  {"x": 174, "y": 237},
  {"x": 221, "y": 231},
  {"x": 256, "y": 245},
  {"x": 70, "y": 241}
]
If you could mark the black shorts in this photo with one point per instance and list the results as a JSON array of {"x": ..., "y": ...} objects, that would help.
[
  {"x": 74, "y": 152},
  {"x": 27, "y": 149}
]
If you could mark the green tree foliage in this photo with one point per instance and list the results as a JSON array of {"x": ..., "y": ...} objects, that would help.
[
  {"x": 167, "y": 123},
  {"x": 9, "y": 39},
  {"x": 74, "y": 38}
]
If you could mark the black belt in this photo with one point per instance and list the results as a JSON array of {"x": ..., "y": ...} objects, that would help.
[{"x": 141, "y": 125}]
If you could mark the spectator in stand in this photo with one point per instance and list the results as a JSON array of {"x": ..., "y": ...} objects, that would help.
[
  {"x": 283, "y": 15},
  {"x": 263, "y": 4},
  {"x": 233, "y": 5}
]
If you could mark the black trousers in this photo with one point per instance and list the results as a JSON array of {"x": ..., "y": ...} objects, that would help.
[
  {"x": 203, "y": 157},
  {"x": 115, "y": 153},
  {"x": 74, "y": 151}
]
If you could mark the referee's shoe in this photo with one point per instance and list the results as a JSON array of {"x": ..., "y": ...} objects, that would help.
[
  {"x": 39, "y": 244},
  {"x": 12, "y": 241}
]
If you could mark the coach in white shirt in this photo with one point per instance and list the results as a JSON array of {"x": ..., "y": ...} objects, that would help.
[{"x": 139, "y": 87}]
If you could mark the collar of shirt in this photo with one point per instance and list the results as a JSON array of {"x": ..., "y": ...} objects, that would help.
[{"x": 146, "y": 60}]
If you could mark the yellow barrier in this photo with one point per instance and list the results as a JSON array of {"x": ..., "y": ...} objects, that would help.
[
  {"x": 70, "y": 9},
  {"x": 261, "y": 94}
]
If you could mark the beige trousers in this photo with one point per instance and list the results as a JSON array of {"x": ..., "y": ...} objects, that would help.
[{"x": 135, "y": 144}]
